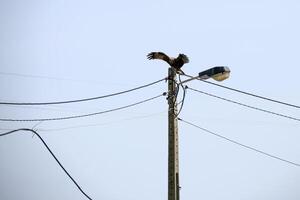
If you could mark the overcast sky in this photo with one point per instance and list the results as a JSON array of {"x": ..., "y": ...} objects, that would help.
[{"x": 65, "y": 50}]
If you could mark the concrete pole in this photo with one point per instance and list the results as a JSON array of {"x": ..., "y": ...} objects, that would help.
[{"x": 173, "y": 164}]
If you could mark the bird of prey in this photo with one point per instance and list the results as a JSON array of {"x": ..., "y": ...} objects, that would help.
[{"x": 176, "y": 63}]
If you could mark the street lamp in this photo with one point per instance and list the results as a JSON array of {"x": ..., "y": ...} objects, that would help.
[{"x": 218, "y": 73}]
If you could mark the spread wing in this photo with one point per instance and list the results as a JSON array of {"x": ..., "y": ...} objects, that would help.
[{"x": 159, "y": 55}]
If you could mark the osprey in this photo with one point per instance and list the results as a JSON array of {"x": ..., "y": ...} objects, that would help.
[{"x": 177, "y": 63}]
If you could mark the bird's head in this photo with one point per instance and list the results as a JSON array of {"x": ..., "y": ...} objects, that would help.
[{"x": 183, "y": 57}]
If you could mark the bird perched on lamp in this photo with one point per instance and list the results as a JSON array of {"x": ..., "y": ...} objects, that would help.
[{"x": 176, "y": 63}]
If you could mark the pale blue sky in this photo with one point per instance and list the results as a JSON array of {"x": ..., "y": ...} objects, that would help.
[{"x": 92, "y": 48}]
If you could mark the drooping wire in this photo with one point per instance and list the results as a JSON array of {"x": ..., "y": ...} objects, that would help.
[
  {"x": 103, "y": 124},
  {"x": 79, "y": 100},
  {"x": 182, "y": 103},
  {"x": 57, "y": 78},
  {"x": 248, "y": 93},
  {"x": 179, "y": 84},
  {"x": 85, "y": 115},
  {"x": 241, "y": 104},
  {"x": 183, "y": 96},
  {"x": 240, "y": 144},
  {"x": 52, "y": 154},
  {"x": 175, "y": 95}
]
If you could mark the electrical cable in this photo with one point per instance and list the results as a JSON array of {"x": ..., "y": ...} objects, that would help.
[
  {"x": 85, "y": 115},
  {"x": 240, "y": 144},
  {"x": 183, "y": 96},
  {"x": 100, "y": 124},
  {"x": 241, "y": 104},
  {"x": 182, "y": 103},
  {"x": 247, "y": 93},
  {"x": 52, "y": 154},
  {"x": 38, "y": 76},
  {"x": 58, "y": 78},
  {"x": 180, "y": 84},
  {"x": 79, "y": 100}
]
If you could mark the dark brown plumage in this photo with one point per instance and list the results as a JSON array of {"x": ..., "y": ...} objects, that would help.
[{"x": 177, "y": 63}]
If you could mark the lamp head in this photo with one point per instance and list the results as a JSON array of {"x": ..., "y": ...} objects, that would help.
[
  {"x": 218, "y": 73},
  {"x": 222, "y": 75}
]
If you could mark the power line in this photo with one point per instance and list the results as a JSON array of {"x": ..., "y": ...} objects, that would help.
[
  {"x": 59, "y": 78},
  {"x": 80, "y": 100},
  {"x": 85, "y": 115},
  {"x": 254, "y": 95},
  {"x": 240, "y": 144},
  {"x": 36, "y": 76},
  {"x": 52, "y": 154},
  {"x": 51, "y": 108},
  {"x": 249, "y": 94},
  {"x": 100, "y": 124},
  {"x": 182, "y": 102},
  {"x": 183, "y": 96},
  {"x": 241, "y": 104}
]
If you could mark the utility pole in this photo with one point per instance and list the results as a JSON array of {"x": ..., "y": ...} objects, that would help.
[
  {"x": 218, "y": 73},
  {"x": 173, "y": 161}
]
